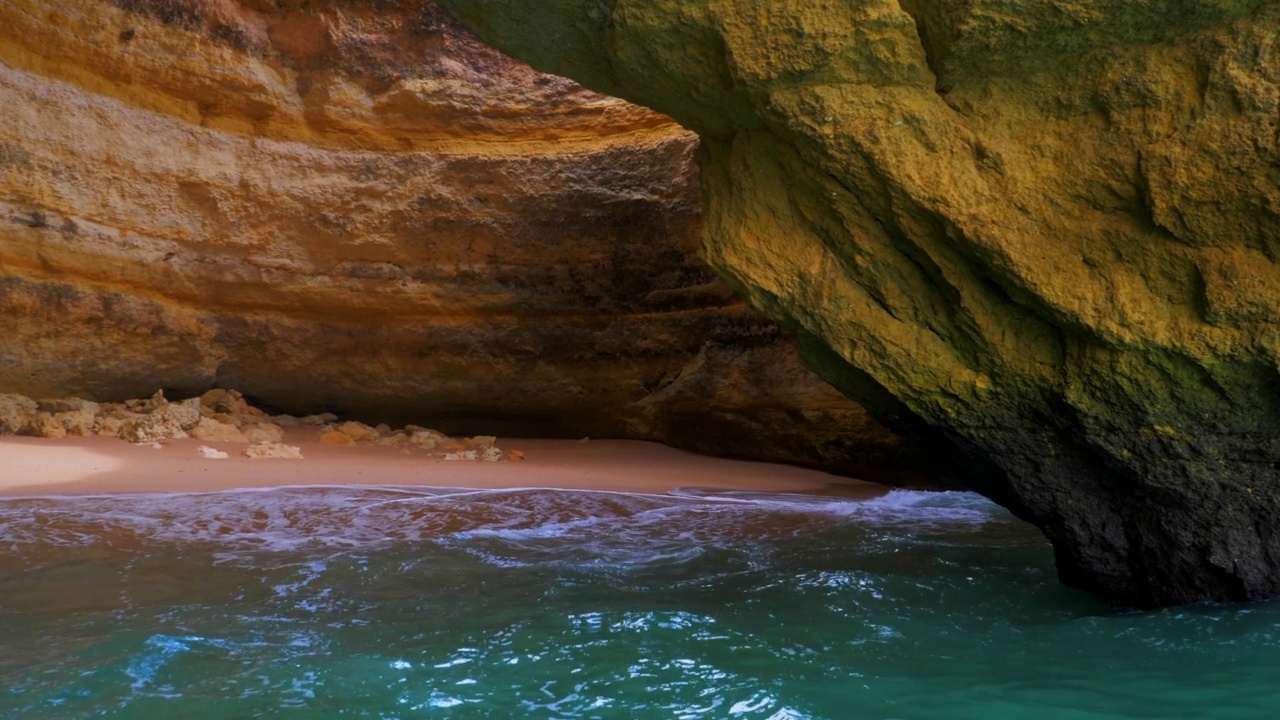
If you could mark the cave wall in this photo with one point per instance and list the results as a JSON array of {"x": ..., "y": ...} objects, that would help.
[
  {"x": 358, "y": 207},
  {"x": 1047, "y": 231}
]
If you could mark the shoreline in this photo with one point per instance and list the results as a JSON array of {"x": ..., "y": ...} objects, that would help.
[{"x": 99, "y": 466}]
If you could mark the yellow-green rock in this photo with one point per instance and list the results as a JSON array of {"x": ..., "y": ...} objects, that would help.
[{"x": 1047, "y": 231}]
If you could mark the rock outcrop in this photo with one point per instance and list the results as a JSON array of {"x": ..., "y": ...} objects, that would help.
[
  {"x": 354, "y": 206},
  {"x": 1048, "y": 230},
  {"x": 224, "y": 416}
]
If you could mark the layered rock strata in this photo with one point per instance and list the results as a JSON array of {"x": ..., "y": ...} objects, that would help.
[
  {"x": 1048, "y": 230},
  {"x": 356, "y": 207}
]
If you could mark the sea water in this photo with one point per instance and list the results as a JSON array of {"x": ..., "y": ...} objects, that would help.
[{"x": 359, "y": 602}]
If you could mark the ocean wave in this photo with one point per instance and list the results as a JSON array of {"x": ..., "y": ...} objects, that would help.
[{"x": 604, "y": 527}]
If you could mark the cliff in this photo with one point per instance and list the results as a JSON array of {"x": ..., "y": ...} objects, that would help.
[
  {"x": 357, "y": 207},
  {"x": 1047, "y": 230}
]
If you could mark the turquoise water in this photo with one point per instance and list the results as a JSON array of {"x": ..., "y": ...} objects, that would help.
[{"x": 396, "y": 603}]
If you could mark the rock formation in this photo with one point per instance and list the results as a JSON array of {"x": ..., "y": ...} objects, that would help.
[
  {"x": 1048, "y": 230},
  {"x": 223, "y": 416},
  {"x": 356, "y": 207}
]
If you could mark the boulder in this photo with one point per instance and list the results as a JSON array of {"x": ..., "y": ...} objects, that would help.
[
  {"x": 47, "y": 426},
  {"x": 358, "y": 431},
  {"x": 211, "y": 430},
  {"x": 263, "y": 432},
  {"x": 185, "y": 414},
  {"x": 17, "y": 412},
  {"x": 149, "y": 428},
  {"x": 79, "y": 423},
  {"x": 333, "y": 437}
]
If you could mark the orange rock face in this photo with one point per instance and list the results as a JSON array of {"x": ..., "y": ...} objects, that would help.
[{"x": 356, "y": 207}]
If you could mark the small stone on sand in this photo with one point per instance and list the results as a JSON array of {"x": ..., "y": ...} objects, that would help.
[
  {"x": 212, "y": 453},
  {"x": 270, "y": 450}
]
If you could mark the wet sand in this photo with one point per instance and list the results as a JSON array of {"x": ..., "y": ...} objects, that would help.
[{"x": 38, "y": 466}]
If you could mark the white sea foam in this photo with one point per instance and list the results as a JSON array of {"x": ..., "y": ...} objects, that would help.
[{"x": 505, "y": 526}]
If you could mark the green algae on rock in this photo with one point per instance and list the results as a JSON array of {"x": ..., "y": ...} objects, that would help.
[{"x": 1048, "y": 232}]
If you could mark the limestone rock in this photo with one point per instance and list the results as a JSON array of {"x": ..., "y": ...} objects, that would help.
[
  {"x": 16, "y": 414},
  {"x": 185, "y": 415},
  {"x": 380, "y": 215},
  {"x": 358, "y": 431},
  {"x": 334, "y": 437},
  {"x": 230, "y": 407},
  {"x": 479, "y": 442},
  {"x": 1045, "y": 235},
  {"x": 152, "y": 427},
  {"x": 78, "y": 423},
  {"x": 263, "y": 432},
  {"x": 270, "y": 450},
  {"x": 62, "y": 405},
  {"x": 396, "y": 438},
  {"x": 46, "y": 426},
  {"x": 147, "y": 405},
  {"x": 211, "y": 453},
  {"x": 319, "y": 420},
  {"x": 110, "y": 422},
  {"x": 427, "y": 439},
  {"x": 211, "y": 430}
]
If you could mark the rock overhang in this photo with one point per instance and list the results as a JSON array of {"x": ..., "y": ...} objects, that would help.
[{"x": 1046, "y": 231}]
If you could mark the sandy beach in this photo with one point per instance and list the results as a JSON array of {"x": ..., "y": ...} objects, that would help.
[{"x": 40, "y": 466}]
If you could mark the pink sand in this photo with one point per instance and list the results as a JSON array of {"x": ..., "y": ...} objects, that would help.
[{"x": 37, "y": 466}]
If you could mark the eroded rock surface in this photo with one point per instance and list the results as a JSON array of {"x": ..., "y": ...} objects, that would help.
[
  {"x": 1049, "y": 230},
  {"x": 355, "y": 206},
  {"x": 225, "y": 417}
]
